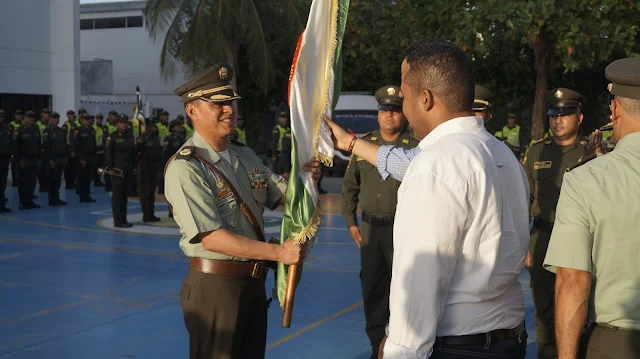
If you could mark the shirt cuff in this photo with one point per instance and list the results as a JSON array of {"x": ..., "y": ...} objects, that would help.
[
  {"x": 381, "y": 160},
  {"x": 394, "y": 351},
  {"x": 568, "y": 249}
]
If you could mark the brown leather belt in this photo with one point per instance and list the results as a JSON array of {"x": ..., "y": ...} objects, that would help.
[
  {"x": 493, "y": 336},
  {"x": 234, "y": 268}
]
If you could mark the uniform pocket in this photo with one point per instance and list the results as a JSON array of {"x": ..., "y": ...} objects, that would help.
[{"x": 260, "y": 196}]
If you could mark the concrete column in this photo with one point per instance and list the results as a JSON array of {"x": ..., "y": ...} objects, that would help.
[{"x": 64, "y": 33}]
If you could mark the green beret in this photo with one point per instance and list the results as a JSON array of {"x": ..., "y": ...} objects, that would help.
[
  {"x": 482, "y": 98},
  {"x": 388, "y": 98},
  {"x": 624, "y": 75},
  {"x": 563, "y": 101},
  {"x": 212, "y": 85}
]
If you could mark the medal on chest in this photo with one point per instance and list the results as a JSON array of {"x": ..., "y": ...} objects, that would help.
[
  {"x": 225, "y": 198},
  {"x": 258, "y": 179}
]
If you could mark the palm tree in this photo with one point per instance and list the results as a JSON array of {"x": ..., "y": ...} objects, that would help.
[{"x": 200, "y": 33}]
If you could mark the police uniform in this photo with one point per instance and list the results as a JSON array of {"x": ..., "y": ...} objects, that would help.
[
  {"x": 170, "y": 145},
  {"x": 377, "y": 199},
  {"x": 120, "y": 156},
  {"x": 42, "y": 124},
  {"x": 28, "y": 151},
  {"x": 163, "y": 128},
  {"x": 54, "y": 150},
  {"x": 150, "y": 165},
  {"x": 70, "y": 127},
  {"x": 513, "y": 137},
  {"x": 280, "y": 146},
  {"x": 108, "y": 128},
  {"x": 596, "y": 231},
  {"x": 100, "y": 137},
  {"x": 239, "y": 134},
  {"x": 6, "y": 135},
  {"x": 482, "y": 98},
  {"x": 545, "y": 167},
  {"x": 84, "y": 149},
  {"x": 16, "y": 123},
  {"x": 202, "y": 201}
]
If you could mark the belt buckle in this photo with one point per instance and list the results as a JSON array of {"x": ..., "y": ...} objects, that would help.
[{"x": 257, "y": 270}]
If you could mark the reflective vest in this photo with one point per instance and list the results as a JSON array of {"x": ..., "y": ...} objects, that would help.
[
  {"x": 242, "y": 135},
  {"x": 498, "y": 135},
  {"x": 41, "y": 127},
  {"x": 512, "y": 135},
  {"x": 282, "y": 131},
  {"x": 163, "y": 131},
  {"x": 135, "y": 128},
  {"x": 188, "y": 130},
  {"x": 15, "y": 125},
  {"x": 110, "y": 128},
  {"x": 99, "y": 135},
  {"x": 606, "y": 138}
]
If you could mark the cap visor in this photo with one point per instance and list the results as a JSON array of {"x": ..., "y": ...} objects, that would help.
[
  {"x": 562, "y": 111},
  {"x": 389, "y": 107}
]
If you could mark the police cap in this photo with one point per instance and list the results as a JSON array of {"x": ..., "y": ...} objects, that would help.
[
  {"x": 122, "y": 118},
  {"x": 54, "y": 114},
  {"x": 71, "y": 112},
  {"x": 624, "y": 75},
  {"x": 284, "y": 114},
  {"x": 563, "y": 101},
  {"x": 482, "y": 98},
  {"x": 172, "y": 124},
  {"x": 388, "y": 98},
  {"x": 212, "y": 85},
  {"x": 30, "y": 114},
  {"x": 45, "y": 110},
  {"x": 113, "y": 112},
  {"x": 164, "y": 113},
  {"x": 82, "y": 110},
  {"x": 180, "y": 117},
  {"x": 85, "y": 116}
]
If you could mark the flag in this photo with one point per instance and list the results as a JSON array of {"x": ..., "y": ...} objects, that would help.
[
  {"x": 314, "y": 86},
  {"x": 138, "y": 113}
]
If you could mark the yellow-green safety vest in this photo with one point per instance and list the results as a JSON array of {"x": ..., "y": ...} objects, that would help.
[
  {"x": 188, "y": 130},
  {"x": 111, "y": 128},
  {"x": 242, "y": 135},
  {"x": 99, "y": 135},
  {"x": 512, "y": 135},
  {"x": 163, "y": 131},
  {"x": 283, "y": 131}
]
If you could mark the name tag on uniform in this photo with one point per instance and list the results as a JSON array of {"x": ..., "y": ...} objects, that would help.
[
  {"x": 541, "y": 165},
  {"x": 225, "y": 200},
  {"x": 84, "y": 135},
  {"x": 258, "y": 179},
  {"x": 404, "y": 140},
  {"x": 119, "y": 139}
]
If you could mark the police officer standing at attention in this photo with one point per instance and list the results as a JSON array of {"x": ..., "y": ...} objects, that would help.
[
  {"x": 170, "y": 145},
  {"x": 240, "y": 134},
  {"x": 84, "y": 150},
  {"x": 217, "y": 191},
  {"x": 100, "y": 136},
  {"x": 42, "y": 171},
  {"x": 16, "y": 123},
  {"x": 70, "y": 127},
  {"x": 120, "y": 159},
  {"x": 378, "y": 200},
  {"x": 28, "y": 151},
  {"x": 277, "y": 136},
  {"x": 149, "y": 168},
  {"x": 54, "y": 150},
  {"x": 6, "y": 135},
  {"x": 545, "y": 166},
  {"x": 594, "y": 246}
]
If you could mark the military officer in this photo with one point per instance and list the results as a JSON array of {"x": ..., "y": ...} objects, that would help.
[
  {"x": 545, "y": 166},
  {"x": 6, "y": 134},
  {"x": 120, "y": 160},
  {"x": 16, "y": 123},
  {"x": 54, "y": 153},
  {"x": 42, "y": 124},
  {"x": 100, "y": 137},
  {"x": 482, "y": 104},
  {"x": 84, "y": 151},
  {"x": 70, "y": 127},
  {"x": 278, "y": 133},
  {"x": 378, "y": 200},
  {"x": 149, "y": 168},
  {"x": 109, "y": 128},
  {"x": 170, "y": 145},
  {"x": 594, "y": 246},
  {"x": 28, "y": 151},
  {"x": 216, "y": 190}
]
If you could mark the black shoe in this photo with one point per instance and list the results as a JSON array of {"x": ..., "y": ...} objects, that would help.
[
  {"x": 33, "y": 205},
  {"x": 62, "y": 203},
  {"x": 153, "y": 219},
  {"x": 5, "y": 210},
  {"x": 54, "y": 203},
  {"x": 374, "y": 352},
  {"x": 98, "y": 184},
  {"x": 322, "y": 191},
  {"x": 124, "y": 225}
]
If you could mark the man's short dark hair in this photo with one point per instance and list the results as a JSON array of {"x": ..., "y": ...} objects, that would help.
[{"x": 443, "y": 69}]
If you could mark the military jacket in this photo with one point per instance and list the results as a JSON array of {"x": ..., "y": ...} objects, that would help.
[
  {"x": 6, "y": 136},
  {"x": 27, "y": 143},
  {"x": 150, "y": 147},
  {"x": 201, "y": 202},
  {"x": 120, "y": 151},
  {"x": 545, "y": 166},
  {"x": 54, "y": 144},
  {"x": 363, "y": 184},
  {"x": 84, "y": 143}
]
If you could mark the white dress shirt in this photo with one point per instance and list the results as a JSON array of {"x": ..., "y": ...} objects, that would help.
[{"x": 460, "y": 239}]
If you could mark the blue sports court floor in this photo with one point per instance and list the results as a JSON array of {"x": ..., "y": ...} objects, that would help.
[{"x": 72, "y": 287}]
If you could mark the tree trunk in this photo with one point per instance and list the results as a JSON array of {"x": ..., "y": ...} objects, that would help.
[{"x": 543, "y": 50}]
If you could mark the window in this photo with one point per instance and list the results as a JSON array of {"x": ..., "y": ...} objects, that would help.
[
  {"x": 134, "y": 21},
  {"x": 111, "y": 23},
  {"x": 86, "y": 24},
  {"x": 359, "y": 121}
]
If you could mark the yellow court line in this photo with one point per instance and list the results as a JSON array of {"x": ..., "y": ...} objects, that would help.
[{"x": 315, "y": 324}]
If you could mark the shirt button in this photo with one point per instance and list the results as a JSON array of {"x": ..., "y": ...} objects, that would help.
[
  {"x": 379, "y": 195},
  {"x": 232, "y": 224}
]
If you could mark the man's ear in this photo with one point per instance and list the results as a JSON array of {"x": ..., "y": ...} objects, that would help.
[
  {"x": 427, "y": 99},
  {"x": 580, "y": 118},
  {"x": 190, "y": 109}
]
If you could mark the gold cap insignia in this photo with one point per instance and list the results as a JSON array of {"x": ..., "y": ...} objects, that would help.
[
  {"x": 185, "y": 152},
  {"x": 391, "y": 91},
  {"x": 610, "y": 87},
  {"x": 559, "y": 94},
  {"x": 223, "y": 73}
]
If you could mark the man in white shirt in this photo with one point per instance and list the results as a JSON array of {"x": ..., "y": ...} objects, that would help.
[{"x": 461, "y": 233}]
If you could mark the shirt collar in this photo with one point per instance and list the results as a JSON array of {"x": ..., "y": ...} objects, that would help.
[
  {"x": 210, "y": 154},
  {"x": 631, "y": 140},
  {"x": 455, "y": 125}
]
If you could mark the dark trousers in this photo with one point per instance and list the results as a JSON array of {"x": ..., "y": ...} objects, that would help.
[
  {"x": 14, "y": 172},
  {"x": 226, "y": 316},
  {"x": 107, "y": 183},
  {"x": 120, "y": 187},
  {"x": 376, "y": 254},
  {"x": 514, "y": 348},
  {"x": 28, "y": 176},
  {"x": 43, "y": 180},
  {"x": 4, "y": 173},
  {"x": 55, "y": 178},
  {"x": 147, "y": 182},
  {"x": 604, "y": 342},
  {"x": 99, "y": 164},
  {"x": 543, "y": 292},
  {"x": 70, "y": 172},
  {"x": 85, "y": 176}
]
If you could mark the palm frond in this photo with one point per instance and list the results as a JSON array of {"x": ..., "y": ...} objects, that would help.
[{"x": 252, "y": 32}]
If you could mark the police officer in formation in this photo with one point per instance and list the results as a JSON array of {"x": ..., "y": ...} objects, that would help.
[
  {"x": 377, "y": 198},
  {"x": 15, "y": 125},
  {"x": 84, "y": 151},
  {"x": 6, "y": 135},
  {"x": 240, "y": 134},
  {"x": 100, "y": 137},
  {"x": 512, "y": 135},
  {"x": 278, "y": 134},
  {"x": 120, "y": 159},
  {"x": 70, "y": 127},
  {"x": 150, "y": 165},
  {"x": 545, "y": 166},
  {"x": 174, "y": 141},
  {"x": 42, "y": 124},
  {"x": 54, "y": 157},
  {"x": 28, "y": 150},
  {"x": 109, "y": 128}
]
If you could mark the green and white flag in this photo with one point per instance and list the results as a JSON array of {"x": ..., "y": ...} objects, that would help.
[{"x": 314, "y": 87}]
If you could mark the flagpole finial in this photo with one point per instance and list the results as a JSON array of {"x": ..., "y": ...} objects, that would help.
[{"x": 137, "y": 88}]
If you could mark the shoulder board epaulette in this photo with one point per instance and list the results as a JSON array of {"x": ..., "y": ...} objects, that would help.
[
  {"x": 582, "y": 161},
  {"x": 548, "y": 142},
  {"x": 237, "y": 143},
  {"x": 366, "y": 134},
  {"x": 185, "y": 153}
]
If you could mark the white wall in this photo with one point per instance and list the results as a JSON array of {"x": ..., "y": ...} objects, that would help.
[
  {"x": 136, "y": 62},
  {"x": 39, "y": 50}
]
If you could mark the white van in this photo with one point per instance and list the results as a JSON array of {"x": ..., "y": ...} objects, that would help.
[{"x": 355, "y": 111}]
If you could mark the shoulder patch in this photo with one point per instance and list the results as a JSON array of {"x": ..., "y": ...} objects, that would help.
[
  {"x": 366, "y": 134},
  {"x": 185, "y": 153},
  {"x": 237, "y": 143},
  {"x": 582, "y": 161}
]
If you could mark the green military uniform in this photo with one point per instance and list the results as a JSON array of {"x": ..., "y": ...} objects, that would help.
[
  {"x": 150, "y": 165},
  {"x": 85, "y": 147},
  {"x": 28, "y": 151},
  {"x": 54, "y": 157},
  {"x": 482, "y": 98},
  {"x": 170, "y": 146},
  {"x": 120, "y": 156},
  {"x": 70, "y": 127},
  {"x": 281, "y": 146},
  {"x": 377, "y": 198},
  {"x": 202, "y": 201},
  {"x": 545, "y": 167},
  {"x": 597, "y": 231},
  {"x": 6, "y": 138},
  {"x": 16, "y": 123}
]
